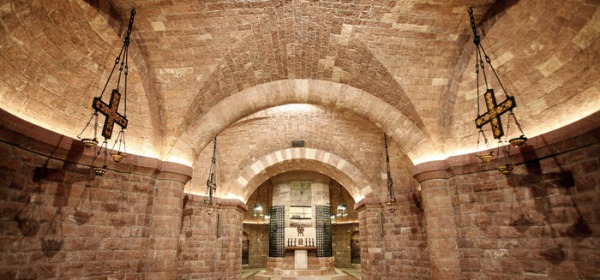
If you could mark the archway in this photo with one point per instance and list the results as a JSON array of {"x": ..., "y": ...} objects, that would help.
[
  {"x": 410, "y": 134},
  {"x": 300, "y": 159},
  {"x": 355, "y": 248},
  {"x": 245, "y": 249}
]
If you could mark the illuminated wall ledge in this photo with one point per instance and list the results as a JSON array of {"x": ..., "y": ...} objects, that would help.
[
  {"x": 378, "y": 202},
  {"x": 577, "y": 135},
  {"x": 30, "y": 137},
  {"x": 368, "y": 202},
  {"x": 221, "y": 203}
]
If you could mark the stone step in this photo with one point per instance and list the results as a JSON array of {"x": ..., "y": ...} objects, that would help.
[
  {"x": 301, "y": 275},
  {"x": 302, "y": 272}
]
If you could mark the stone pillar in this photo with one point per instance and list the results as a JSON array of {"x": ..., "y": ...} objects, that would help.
[
  {"x": 372, "y": 251},
  {"x": 231, "y": 215},
  {"x": 439, "y": 217},
  {"x": 165, "y": 225}
]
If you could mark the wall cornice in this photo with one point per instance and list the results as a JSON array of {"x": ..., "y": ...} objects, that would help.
[{"x": 577, "y": 135}]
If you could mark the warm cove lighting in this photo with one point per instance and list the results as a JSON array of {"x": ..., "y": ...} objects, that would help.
[
  {"x": 194, "y": 192},
  {"x": 143, "y": 152},
  {"x": 57, "y": 128},
  {"x": 428, "y": 158},
  {"x": 294, "y": 108},
  {"x": 180, "y": 160},
  {"x": 234, "y": 196}
]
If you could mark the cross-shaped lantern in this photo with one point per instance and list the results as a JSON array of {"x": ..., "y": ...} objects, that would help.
[
  {"x": 494, "y": 113},
  {"x": 111, "y": 113},
  {"x": 111, "y": 109}
]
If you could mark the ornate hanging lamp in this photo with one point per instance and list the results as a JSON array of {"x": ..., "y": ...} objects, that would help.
[
  {"x": 257, "y": 210},
  {"x": 494, "y": 110},
  {"x": 332, "y": 217},
  {"x": 110, "y": 110},
  {"x": 267, "y": 216},
  {"x": 342, "y": 210},
  {"x": 390, "y": 181},
  {"x": 211, "y": 182}
]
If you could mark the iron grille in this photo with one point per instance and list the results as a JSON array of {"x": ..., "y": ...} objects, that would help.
[
  {"x": 277, "y": 232},
  {"x": 324, "y": 231}
]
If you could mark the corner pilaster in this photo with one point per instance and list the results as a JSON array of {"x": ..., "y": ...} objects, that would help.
[{"x": 439, "y": 217}]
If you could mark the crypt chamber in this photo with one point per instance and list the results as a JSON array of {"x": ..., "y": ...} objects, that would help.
[{"x": 299, "y": 139}]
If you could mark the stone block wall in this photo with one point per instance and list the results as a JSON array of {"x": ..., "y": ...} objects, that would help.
[
  {"x": 393, "y": 237},
  {"x": 393, "y": 244},
  {"x": 70, "y": 223},
  {"x": 232, "y": 214},
  {"x": 341, "y": 235},
  {"x": 58, "y": 220},
  {"x": 210, "y": 244},
  {"x": 405, "y": 240},
  {"x": 258, "y": 234},
  {"x": 541, "y": 221},
  {"x": 371, "y": 250}
]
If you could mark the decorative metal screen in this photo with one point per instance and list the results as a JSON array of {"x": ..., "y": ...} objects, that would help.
[
  {"x": 277, "y": 232},
  {"x": 323, "y": 231}
]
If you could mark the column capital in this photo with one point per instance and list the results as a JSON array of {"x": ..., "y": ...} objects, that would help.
[
  {"x": 368, "y": 202},
  {"x": 432, "y": 170},
  {"x": 224, "y": 203},
  {"x": 174, "y": 172}
]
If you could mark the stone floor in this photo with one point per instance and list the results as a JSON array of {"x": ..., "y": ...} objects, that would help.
[
  {"x": 248, "y": 273},
  {"x": 353, "y": 273}
]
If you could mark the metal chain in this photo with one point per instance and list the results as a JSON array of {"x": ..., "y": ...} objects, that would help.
[
  {"x": 211, "y": 185},
  {"x": 517, "y": 122},
  {"x": 126, "y": 58},
  {"x": 390, "y": 181},
  {"x": 476, "y": 39},
  {"x": 112, "y": 71},
  {"x": 130, "y": 26}
]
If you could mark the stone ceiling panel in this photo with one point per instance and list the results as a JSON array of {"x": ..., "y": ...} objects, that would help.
[
  {"x": 54, "y": 58},
  {"x": 549, "y": 78},
  {"x": 190, "y": 57}
]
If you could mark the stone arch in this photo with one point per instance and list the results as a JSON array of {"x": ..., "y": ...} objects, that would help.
[
  {"x": 245, "y": 248},
  {"x": 355, "y": 248},
  {"x": 251, "y": 61},
  {"x": 293, "y": 159},
  {"x": 414, "y": 140}
]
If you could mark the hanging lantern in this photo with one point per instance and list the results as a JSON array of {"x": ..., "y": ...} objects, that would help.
[
  {"x": 341, "y": 210},
  {"x": 211, "y": 182},
  {"x": 110, "y": 110},
  {"x": 495, "y": 110},
  {"x": 257, "y": 210},
  {"x": 390, "y": 181}
]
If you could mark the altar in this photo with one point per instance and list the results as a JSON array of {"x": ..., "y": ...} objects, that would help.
[
  {"x": 300, "y": 245},
  {"x": 301, "y": 255},
  {"x": 301, "y": 263},
  {"x": 300, "y": 259}
]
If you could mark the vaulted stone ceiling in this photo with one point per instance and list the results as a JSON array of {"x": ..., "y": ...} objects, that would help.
[{"x": 201, "y": 67}]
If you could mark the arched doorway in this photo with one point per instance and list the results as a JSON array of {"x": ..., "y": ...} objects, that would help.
[
  {"x": 355, "y": 248},
  {"x": 245, "y": 249}
]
